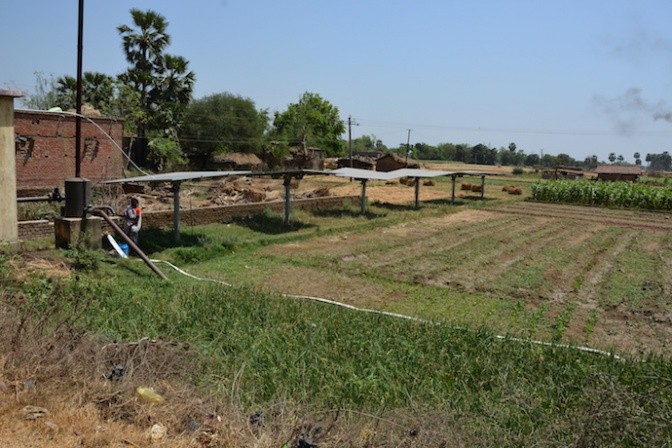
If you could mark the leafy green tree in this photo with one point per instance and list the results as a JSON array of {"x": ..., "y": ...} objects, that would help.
[
  {"x": 165, "y": 153},
  {"x": 368, "y": 143},
  {"x": 612, "y": 157},
  {"x": 659, "y": 162},
  {"x": 224, "y": 122},
  {"x": 164, "y": 82},
  {"x": 462, "y": 153},
  {"x": 563, "y": 159},
  {"x": 483, "y": 155},
  {"x": 549, "y": 161},
  {"x": 512, "y": 147},
  {"x": 446, "y": 151},
  {"x": 532, "y": 160},
  {"x": 313, "y": 121}
]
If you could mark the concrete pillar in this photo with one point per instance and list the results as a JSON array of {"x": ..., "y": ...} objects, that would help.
[{"x": 9, "y": 229}]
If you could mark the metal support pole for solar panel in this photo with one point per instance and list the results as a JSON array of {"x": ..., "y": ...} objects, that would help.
[
  {"x": 363, "y": 197},
  {"x": 288, "y": 199},
  {"x": 482, "y": 187},
  {"x": 417, "y": 193},
  {"x": 452, "y": 193},
  {"x": 176, "y": 210}
]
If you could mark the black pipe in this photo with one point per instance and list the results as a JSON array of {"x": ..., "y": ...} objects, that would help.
[
  {"x": 55, "y": 196},
  {"x": 132, "y": 245}
]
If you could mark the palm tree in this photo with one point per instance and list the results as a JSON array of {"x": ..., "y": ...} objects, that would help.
[
  {"x": 144, "y": 47},
  {"x": 172, "y": 92},
  {"x": 97, "y": 89}
]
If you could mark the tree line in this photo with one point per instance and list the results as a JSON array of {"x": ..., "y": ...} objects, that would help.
[{"x": 154, "y": 97}]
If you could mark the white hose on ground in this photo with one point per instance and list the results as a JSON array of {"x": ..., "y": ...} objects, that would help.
[{"x": 403, "y": 316}]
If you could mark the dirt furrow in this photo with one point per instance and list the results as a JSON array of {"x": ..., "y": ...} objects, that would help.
[
  {"x": 611, "y": 217},
  {"x": 434, "y": 249}
]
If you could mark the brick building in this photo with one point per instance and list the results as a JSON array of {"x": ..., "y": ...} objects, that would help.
[{"x": 45, "y": 149}]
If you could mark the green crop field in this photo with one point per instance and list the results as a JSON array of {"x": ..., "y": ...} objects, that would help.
[{"x": 503, "y": 304}]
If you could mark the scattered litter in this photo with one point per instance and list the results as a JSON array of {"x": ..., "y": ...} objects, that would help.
[
  {"x": 304, "y": 442},
  {"x": 193, "y": 426},
  {"x": 148, "y": 394},
  {"x": 118, "y": 372},
  {"x": 157, "y": 432},
  {"x": 33, "y": 412},
  {"x": 256, "y": 419}
]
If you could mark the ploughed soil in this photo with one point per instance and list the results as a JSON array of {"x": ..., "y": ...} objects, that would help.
[{"x": 585, "y": 276}]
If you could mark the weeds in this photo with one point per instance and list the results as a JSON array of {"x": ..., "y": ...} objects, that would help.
[{"x": 83, "y": 259}]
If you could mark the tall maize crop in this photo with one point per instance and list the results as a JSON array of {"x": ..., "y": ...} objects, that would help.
[{"x": 609, "y": 194}]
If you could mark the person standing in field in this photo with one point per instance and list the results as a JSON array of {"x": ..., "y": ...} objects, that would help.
[{"x": 133, "y": 220}]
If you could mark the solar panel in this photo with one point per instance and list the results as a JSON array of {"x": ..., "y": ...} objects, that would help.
[
  {"x": 360, "y": 174},
  {"x": 179, "y": 176}
]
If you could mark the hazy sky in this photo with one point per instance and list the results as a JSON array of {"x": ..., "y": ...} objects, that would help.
[{"x": 581, "y": 77}]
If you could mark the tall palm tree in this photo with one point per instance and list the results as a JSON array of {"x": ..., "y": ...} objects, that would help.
[
  {"x": 172, "y": 92},
  {"x": 144, "y": 47}
]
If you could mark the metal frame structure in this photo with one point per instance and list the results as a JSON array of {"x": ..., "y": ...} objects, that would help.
[{"x": 363, "y": 176}]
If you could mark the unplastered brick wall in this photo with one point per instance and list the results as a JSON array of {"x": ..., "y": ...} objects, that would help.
[
  {"x": 45, "y": 149},
  {"x": 209, "y": 215},
  {"x": 200, "y": 216},
  {"x": 29, "y": 230}
]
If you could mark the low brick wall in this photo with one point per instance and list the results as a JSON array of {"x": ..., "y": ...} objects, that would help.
[
  {"x": 201, "y": 216},
  {"x": 29, "y": 230}
]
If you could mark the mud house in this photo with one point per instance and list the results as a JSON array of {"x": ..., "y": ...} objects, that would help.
[
  {"x": 236, "y": 161},
  {"x": 361, "y": 162},
  {"x": 390, "y": 162},
  {"x": 618, "y": 172},
  {"x": 45, "y": 149},
  {"x": 562, "y": 172}
]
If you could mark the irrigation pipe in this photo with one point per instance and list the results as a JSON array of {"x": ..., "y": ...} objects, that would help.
[{"x": 403, "y": 316}]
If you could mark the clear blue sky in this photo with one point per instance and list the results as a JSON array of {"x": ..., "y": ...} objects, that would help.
[{"x": 575, "y": 76}]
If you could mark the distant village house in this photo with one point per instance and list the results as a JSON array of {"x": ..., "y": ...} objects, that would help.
[{"x": 629, "y": 173}]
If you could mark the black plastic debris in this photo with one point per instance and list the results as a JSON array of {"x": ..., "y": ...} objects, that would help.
[
  {"x": 256, "y": 419},
  {"x": 193, "y": 426},
  {"x": 118, "y": 372},
  {"x": 304, "y": 442}
]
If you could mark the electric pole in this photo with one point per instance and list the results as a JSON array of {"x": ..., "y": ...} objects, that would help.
[
  {"x": 408, "y": 145},
  {"x": 350, "y": 138},
  {"x": 350, "y": 124},
  {"x": 78, "y": 118}
]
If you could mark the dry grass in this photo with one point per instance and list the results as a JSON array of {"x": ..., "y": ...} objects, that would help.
[{"x": 88, "y": 389}]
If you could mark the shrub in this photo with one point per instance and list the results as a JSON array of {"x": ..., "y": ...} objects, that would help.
[
  {"x": 518, "y": 170},
  {"x": 83, "y": 259}
]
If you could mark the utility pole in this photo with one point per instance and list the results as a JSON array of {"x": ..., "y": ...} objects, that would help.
[
  {"x": 408, "y": 145},
  {"x": 350, "y": 138},
  {"x": 350, "y": 124},
  {"x": 78, "y": 118}
]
